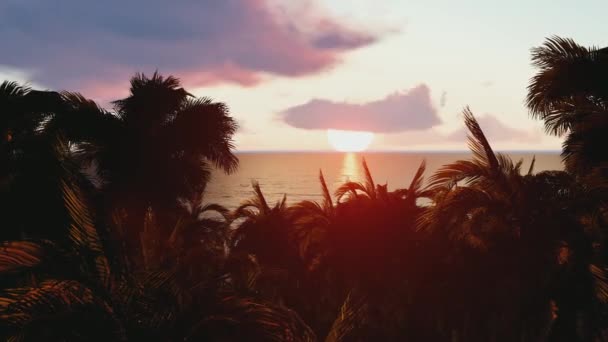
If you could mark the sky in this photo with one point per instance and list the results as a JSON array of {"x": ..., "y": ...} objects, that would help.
[{"x": 291, "y": 69}]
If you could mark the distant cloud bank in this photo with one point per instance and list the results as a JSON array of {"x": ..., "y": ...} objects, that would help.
[
  {"x": 73, "y": 44},
  {"x": 399, "y": 112},
  {"x": 496, "y": 130}
]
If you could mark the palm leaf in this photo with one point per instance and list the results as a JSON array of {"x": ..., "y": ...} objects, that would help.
[
  {"x": 16, "y": 255},
  {"x": 479, "y": 145},
  {"x": 370, "y": 187},
  {"x": 600, "y": 277},
  {"x": 259, "y": 198},
  {"x": 53, "y": 301},
  {"x": 327, "y": 201},
  {"x": 83, "y": 232},
  {"x": 350, "y": 188},
  {"x": 11, "y": 89},
  {"x": 416, "y": 183},
  {"x": 352, "y": 317},
  {"x": 249, "y": 319},
  {"x": 531, "y": 169}
]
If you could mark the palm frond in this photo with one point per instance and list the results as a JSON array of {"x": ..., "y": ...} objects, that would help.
[
  {"x": 453, "y": 206},
  {"x": 282, "y": 204},
  {"x": 600, "y": 280},
  {"x": 249, "y": 319},
  {"x": 353, "y": 316},
  {"x": 245, "y": 210},
  {"x": 213, "y": 207},
  {"x": 531, "y": 168},
  {"x": 259, "y": 197},
  {"x": 83, "y": 232},
  {"x": 449, "y": 175},
  {"x": 16, "y": 255},
  {"x": 416, "y": 183},
  {"x": 205, "y": 127},
  {"x": 327, "y": 201},
  {"x": 51, "y": 302},
  {"x": 350, "y": 188},
  {"x": 479, "y": 145},
  {"x": 370, "y": 187},
  {"x": 13, "y": 89}
]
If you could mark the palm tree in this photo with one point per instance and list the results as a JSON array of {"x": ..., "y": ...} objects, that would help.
[
  {"x": 570, "y": 94},
  {"x": 61, "y": 290},
  {"x": 153, "y": 150},
  {"x": 197, "y": 245},
  {"x": 67, "y": 290},
  {"x": 32, "y": 162},
  {"x": 265, "y": 233},
  {"x": 517, "y": 231},
  {"x": 311, "y": 220},
  {"x": 354, "y": 249}
]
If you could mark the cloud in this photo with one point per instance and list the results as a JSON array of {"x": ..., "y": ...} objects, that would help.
[
  {"x": 332, "y": 36},
  {"x": 74, "y": 44},
  {"x": 406, "y": 111},
  {"x": 496, "y": 130}
]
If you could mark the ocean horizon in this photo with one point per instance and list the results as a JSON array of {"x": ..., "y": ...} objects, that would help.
[{"x": 295, "y": 174}]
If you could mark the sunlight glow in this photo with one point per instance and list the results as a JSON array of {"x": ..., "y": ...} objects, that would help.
[
  {"x": 349, "y": 141},
  {"x": 351, "y": 168}
]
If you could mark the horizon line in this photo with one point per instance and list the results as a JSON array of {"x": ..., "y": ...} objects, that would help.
[{"x": 393, "y": 151}]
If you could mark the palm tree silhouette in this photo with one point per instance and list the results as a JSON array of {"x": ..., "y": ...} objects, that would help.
[
  {"x": 511, "y": 228},
  {"x": 570, "y": 94},
  {"x": 68, "y": 290},
  {"x": 266, "y": 234},
  {"x": 154, "y": 149},
  {"x": 32, "y": 161}
]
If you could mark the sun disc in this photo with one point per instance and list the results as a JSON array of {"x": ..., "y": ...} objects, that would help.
[{"x": 349, "y": 141}]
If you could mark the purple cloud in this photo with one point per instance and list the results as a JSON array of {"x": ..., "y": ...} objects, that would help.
[
  {"x": 407, "y": 111},
  {"x": 77, "y": 44}
]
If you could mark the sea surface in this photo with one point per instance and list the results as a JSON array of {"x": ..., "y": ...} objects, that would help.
[{"x": 296, "y": 174}]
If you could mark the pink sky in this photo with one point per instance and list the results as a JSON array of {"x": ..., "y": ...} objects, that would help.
[{"x": 290, "y": 70}]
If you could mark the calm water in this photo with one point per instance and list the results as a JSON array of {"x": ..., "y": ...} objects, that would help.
[{"x": 296, "y": 174}]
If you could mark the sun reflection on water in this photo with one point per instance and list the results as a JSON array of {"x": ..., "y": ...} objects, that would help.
[{"x": 351, "y": 168}]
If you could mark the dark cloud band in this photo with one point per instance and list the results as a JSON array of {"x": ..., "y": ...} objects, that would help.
[{"x": 75, "y": 44}]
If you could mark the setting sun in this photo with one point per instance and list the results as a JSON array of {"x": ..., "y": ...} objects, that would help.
[{"x": 349, "y": 141}]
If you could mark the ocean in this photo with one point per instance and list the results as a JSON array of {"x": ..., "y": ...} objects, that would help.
[{"x": 296, "y": 174}]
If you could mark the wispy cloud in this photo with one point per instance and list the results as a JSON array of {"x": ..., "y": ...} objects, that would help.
[{"x": 496, "y": 130}]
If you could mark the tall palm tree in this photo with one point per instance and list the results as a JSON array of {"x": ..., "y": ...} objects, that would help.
[
  {"x": 517, "y": 231},
  {"x": 570, "y": 93},
  {"x": 154, "y": 149},
  {"x": 32, "y": 162}
]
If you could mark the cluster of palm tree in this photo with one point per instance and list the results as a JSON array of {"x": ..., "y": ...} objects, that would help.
[{"x": 122, "y": 245}]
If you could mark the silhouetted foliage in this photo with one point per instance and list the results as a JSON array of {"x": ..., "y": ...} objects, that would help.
[{"x": 107, "y": 237}]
